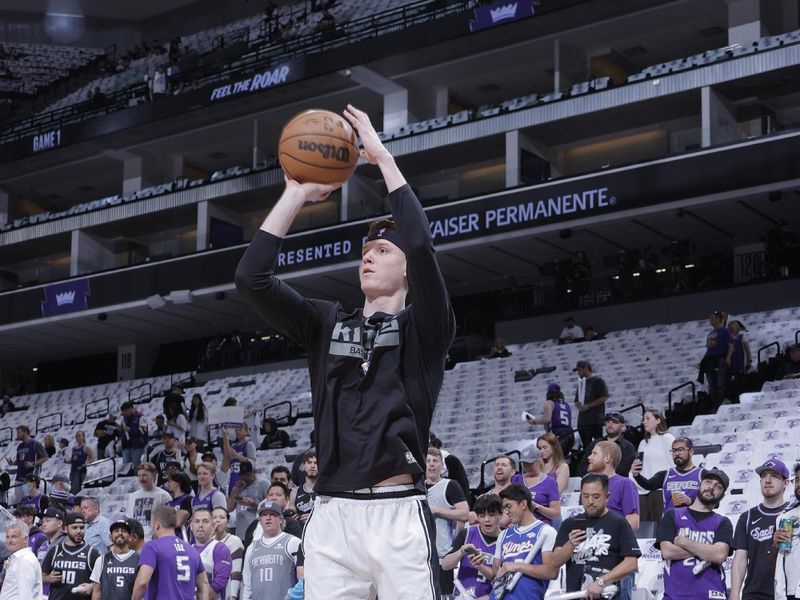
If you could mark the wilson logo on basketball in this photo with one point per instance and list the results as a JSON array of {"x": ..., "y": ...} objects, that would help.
[{"x": 340, "y": 154}]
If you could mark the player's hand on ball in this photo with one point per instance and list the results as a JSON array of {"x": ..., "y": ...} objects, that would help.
[
  {"x": 372, "y": 149},
  {"x": 311, "y": 192}
]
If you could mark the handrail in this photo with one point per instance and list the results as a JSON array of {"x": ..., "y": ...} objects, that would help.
[
  {"x": 86, "y": 416},
  {"x": 141, "y": 399},
  {"x": 482, "y": 484},
  {"x": 113, "y": 472},
  {"x": 681, "y": 386},
  {"x": 775, "y": 343},
  {"x": 4, "y": 441},
  {"x": 797, "y": 337},
  {"x": 290, "y": 420},
  {"x": 637, "y": 405},
  {"x": 50, "y": 427},
  {"x": 180, "y": 382}
]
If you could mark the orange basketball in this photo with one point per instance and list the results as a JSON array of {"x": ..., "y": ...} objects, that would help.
[{"x": 318, "y": 146}]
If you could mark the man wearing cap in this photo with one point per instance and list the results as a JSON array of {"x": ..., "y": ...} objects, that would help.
[
  {"x": 145, "y": 500},
  {"x": 245, "y": 496},
  {"x": 134, "y": 435},
  {"x": 215, "y": 555},
  {"x": 69, "y": 564},
  {"x": 136, "y": 539},
  {"x": 680, "y": 483},
  {"x": 33, "y": 496},
  {"x": 571, "y": 332},
  {"x": 557, "y": 418},
  {"x": 274, "y": 562},
  {"x": 60, "y": 492},
  {"x": 695, "y": 541},
  {"x": 545, "y": 497},
  {"x": 115, "y": 571},
  {"x": 590, "y": 400},
  {"x": 615, "y": 427},
  {"x": 60, "y": 457},
  {"x": 23, "y": 576},
  {"x": 752, "y": 540},
  {"x": 169, "y": 453},
  {"x": 97, "y": 526},
  {"x": 29, "y": 456},
  {"x": 787, "y": 563},
  {"x": 376, "y": 373},
  {"x": 279, "y": 494}
]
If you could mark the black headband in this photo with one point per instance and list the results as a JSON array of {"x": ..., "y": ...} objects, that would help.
[{"x": 386, "y": 233}]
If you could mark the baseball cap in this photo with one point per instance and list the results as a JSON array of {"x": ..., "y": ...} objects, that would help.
[
  {"x": 717, "y": 474},
  {"x": 568, "y": 319},
  {"x": 530, "y": 454},
  {"x": 60, "y": 477},
  {"x": 583, "y": 364},
  {"x": 64, "y": 441},
  {"x": 136, "y": 527},
  {"x": 73, "y": 518},
  {"x": 245, "y": 467},
  {"x": 776, "y": 465},
  {"x": 614, "y": 416},
  {"x": 553, "y": 387},
  {"x": 269, "y": 505},
  {"x": 32, "y": 477},
  {"x": 120, "y": 523},
  {"x": 52, "y": 512}
]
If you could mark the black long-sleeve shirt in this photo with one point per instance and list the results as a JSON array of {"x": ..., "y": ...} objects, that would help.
[{"x": 374, "y": 425}]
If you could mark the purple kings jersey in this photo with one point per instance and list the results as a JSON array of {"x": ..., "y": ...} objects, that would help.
[
  {"x": 675, "y": 481},
  {"x": 241, "y": 448},
  {"x": 175, "y": 567},
  {"x": 26, "y": 452},
  {"x": 680, "y": 583},
  {"x": 514, "y": 545},
  {"x": 561, "y": 419},
  {"x": 203, "y": 501},
  {"x": 473, "y": 581}
]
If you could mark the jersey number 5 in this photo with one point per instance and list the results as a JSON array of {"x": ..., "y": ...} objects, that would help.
[{"x": 182, "y": 565}]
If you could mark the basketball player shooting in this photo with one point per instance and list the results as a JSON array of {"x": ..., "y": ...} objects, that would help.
[{"x": 375, "y": 376}]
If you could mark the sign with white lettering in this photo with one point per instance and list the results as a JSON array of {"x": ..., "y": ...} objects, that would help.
[
  {"x": 257, "y": 82},
  {"x": 47, "y": 140}
]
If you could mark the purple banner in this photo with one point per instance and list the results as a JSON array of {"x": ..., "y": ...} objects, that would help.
[
  {"x": 500, "y": 12},
  {"x": 66, "y": 297}
]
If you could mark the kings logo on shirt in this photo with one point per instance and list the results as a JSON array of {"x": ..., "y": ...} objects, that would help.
[
  {"x": 360, "y": 340},
  {"x": 597, "y": 543}
]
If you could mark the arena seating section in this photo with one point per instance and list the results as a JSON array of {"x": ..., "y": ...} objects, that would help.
[
  {"x": 480, "y": 406},
  {"x": 34, "y": 66}
]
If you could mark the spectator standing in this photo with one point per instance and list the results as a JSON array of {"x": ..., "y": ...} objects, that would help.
[
  {"x": 473, "y": 567},
  {"x": 281, "y": 474},
  {"x": 713, "y": 366},
  {"x": 198, "y": 420},
  {"x": 503, "y": 470},
  {"x": 279, "y": 494},
  {"x": 752, "y": 539},
  {"x": 598, "y": 546},
  {"x": 274, "y": 437},
  {"x": 552, "y": 461},
  {"x": 68, "y": 565},
  {"x": 107, "y": 432},
  {"x": 655, "y": 451},
  {"x": 243, "y": 450},
  {"x": 245, "y": 497},
  {"x": 147, "y": 498},
  {"x": 30, "y": 455},
  {"x": 499, "y": 349},
  {"x": 60, "y": 457},
  {"x": 557, "y": 418},
  {"x": 590, "y": 400},
  {"x": 208, "y": 495},
  {"x": 137, "y": 534},
  {"x": 302, "y": 498},
  {"x": 693, "y": 538},
  {"x": 678, "y": 484},
  {"x": 623, "y": 498},
  {"x": 134, "y": 436},
  {"x": 787, "y": 562},
  {"x": 115, "y": 571},
  {"x": 23, "y": 575},
  {"x": 739, "y": 359},
  {"x": 81, "y": 456},
  {"x": 791, "y": 368},
  {"x": 571, "y": 332},
  {"x": 192, "y": 460},
  {"x": 97, "y": 527},
  {"x": 33, "y": 495},
  {"x": 49, "y": 445},
  {"x": 52, "y": 527},
  {"x": 545, "y": 497},
  {"x": 615, "y": 429},
  {"x": 168, "y": 454},
  {"x": 219, "y": 519},
  {"x": 276, "y": 553},
  {"x": 448, "y": 507},
  {"x": 516, "y": 542},
  {"x": 60, "y": 495},
  {"x": 215, "y": 555},
  {"x": 169, "y": 567},
  {"x": 179, "y": 487},
  {"x": 158, "y": 84}
]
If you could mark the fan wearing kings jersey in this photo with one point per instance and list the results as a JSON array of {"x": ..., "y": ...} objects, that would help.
[
  {"x": 115, "y": 571},
  {"x": 474, "y": 547},
  {"x": 215, "y": 555},
  {"x": 69, "y": 564},
  {"x": 375, "y": 374},
  {"x": 169, "y": 568}
]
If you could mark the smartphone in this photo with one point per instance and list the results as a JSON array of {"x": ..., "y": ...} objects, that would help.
[{"x": 640, "y": 456}]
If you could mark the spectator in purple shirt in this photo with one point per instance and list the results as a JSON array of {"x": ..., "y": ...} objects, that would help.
[
  {"x": 545, "y": 496},
  {"x": 623, "y": 498},
  {"x": 215, "y": 554},
  {"x": 169, "y": 567}
]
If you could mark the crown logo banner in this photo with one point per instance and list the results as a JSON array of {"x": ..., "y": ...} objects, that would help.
[
  {"x": 501, "y": 12},
  {"x": 65, "y": 297}
]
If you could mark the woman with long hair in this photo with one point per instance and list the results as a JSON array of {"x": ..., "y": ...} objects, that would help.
[
  {"x": 80, "y": 456},
  {"x": 556, "y": 418},
  {"x": 552, "y": 461},
  {"x": 179, "y": 487},
  {"x": 655, "y": 454},
  {"x": 198, "y": 425},
  {"x": 545, "y": 497}
]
